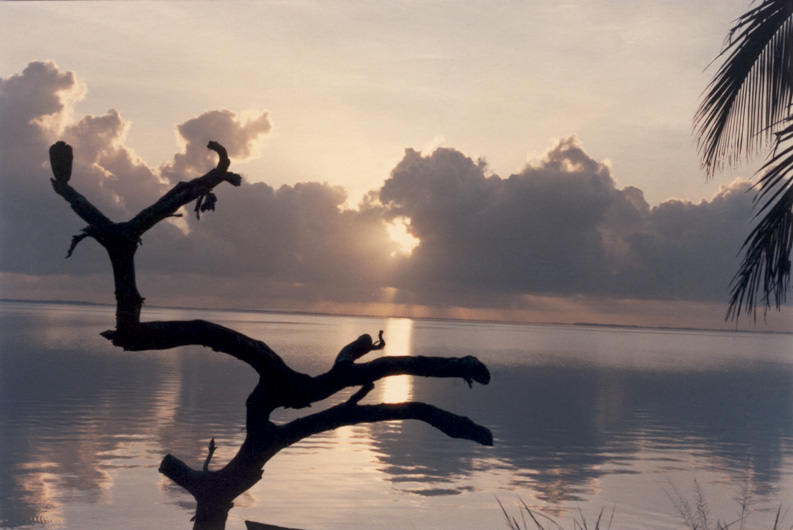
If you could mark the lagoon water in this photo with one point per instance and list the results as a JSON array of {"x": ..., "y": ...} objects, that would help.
[{"x": 584, "y": 418}]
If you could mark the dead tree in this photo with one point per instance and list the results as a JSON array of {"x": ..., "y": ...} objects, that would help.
[{"x": 279, "y": 385}]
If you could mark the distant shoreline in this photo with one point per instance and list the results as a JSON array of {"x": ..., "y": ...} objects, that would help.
[{"x": 438, "y": 319}]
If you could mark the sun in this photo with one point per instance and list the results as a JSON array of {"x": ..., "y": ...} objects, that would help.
[{"x": 399, "y": 230}]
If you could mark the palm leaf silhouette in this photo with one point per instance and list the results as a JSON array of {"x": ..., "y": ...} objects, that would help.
[{"x": 747, "y": 108}]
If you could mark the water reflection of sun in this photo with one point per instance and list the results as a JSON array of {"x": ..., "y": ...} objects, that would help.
[
  {"x": 397, "y": 389},
  {"x": 398, "y": 336}
]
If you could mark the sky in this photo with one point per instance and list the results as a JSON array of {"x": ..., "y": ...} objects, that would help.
[{"x": 509, "y": 160}]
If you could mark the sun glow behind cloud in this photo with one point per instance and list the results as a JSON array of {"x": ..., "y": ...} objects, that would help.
[{"x": 399, "y": 231}]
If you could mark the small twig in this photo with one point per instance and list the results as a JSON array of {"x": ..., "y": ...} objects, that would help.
[
  {"x": 359, "y": 347},
  {"x": 360, "y": 394},
  {"x": 198, "y": 204},
  {"x": 212, "y": 448},
  {"x": 75, "y": 241},
  {"x": 380, "y": 344}
]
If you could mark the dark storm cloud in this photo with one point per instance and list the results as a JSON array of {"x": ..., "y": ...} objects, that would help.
[{"x": 560, "y": 227}]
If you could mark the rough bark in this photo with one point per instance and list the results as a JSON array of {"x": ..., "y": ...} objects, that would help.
[{"x": 279, "y": 385}]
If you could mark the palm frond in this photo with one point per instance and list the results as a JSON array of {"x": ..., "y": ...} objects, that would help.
[
  {"x": 751, "y": 92},
  {"x": 765, "y": 271},
  {"x": 776, "y": 177}
]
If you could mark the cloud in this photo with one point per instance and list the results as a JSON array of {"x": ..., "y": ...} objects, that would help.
[
  {"x": 40, "y": 96},
  {"x": 688, "y": 251},
  {"x": 267, "y": 246},
  {"x": 34, "y": 107},
  {"x": 237, "y": 134},
  {"x": 559, "y": 233},
  {"x": 120, "y": 183},
  {"x": 262, "y": 245},
  {"x": 559, "y": 227}
]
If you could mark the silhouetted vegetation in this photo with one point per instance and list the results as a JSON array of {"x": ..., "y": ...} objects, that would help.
[
  {"x": 748, "y": 107},
  {"x": 540, "y": 521},
  {"x": 693, "y": 511}
]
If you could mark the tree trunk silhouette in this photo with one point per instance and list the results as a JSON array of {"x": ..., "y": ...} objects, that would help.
[{"x": 278, "y": 385}]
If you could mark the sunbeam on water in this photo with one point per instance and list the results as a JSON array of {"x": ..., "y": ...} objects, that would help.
[{"x": 399, "y": 336}]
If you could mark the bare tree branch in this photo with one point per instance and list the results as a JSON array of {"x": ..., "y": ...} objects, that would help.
[
  {"x": 344, "y": 414},
  {"x": 211, "y": 452},
  {"x": 185, "y": 192},
  {"x": 61, "y": 158},
  {"x": 279, "y": 385},
  {"x": 164, "y": 335},
  {"x": 302, "y": 389},
  {"x": 61, "y": 161},
  {"x": 121, "y": 240},
  {"x": 359, "y": 347},
  {"x": 468, "y": 368},
  {"x": 179, "y": 472},
  {"x": 360, "y": 394},
  {"x": 76, "y": 241}
]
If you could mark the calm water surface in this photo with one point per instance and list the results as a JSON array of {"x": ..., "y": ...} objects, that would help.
[{"x": 582, "y": 417}]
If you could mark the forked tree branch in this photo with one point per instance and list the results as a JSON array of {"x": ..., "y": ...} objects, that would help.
[
  {"x": 279, "y": 385},
  {"x": 245, "y": 469},
  {"x": 185, "y": 192},
  {"x": 121, "y": 240},
  {"x": 180, "y": 195},
  {"x": 296, "y": 390}
]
